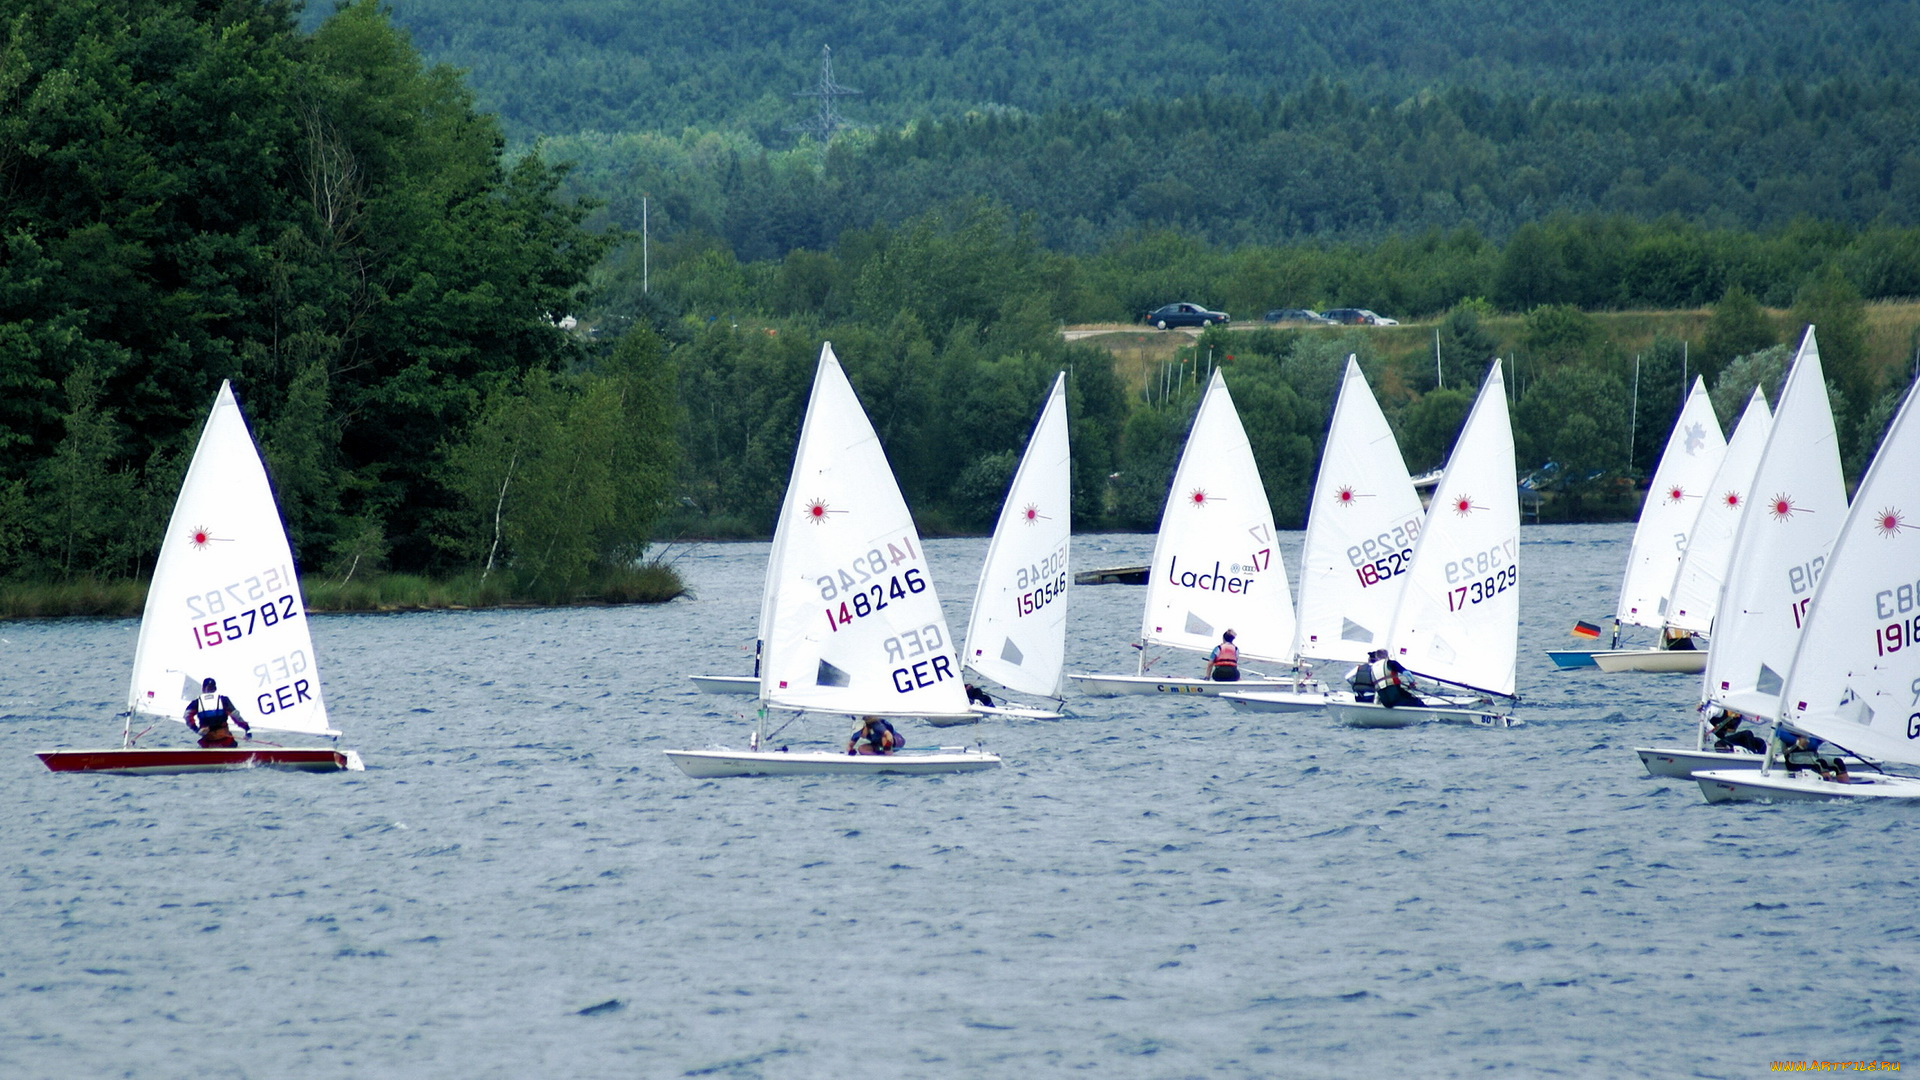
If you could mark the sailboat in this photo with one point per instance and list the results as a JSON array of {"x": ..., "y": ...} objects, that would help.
[
  {"x": 1779, "y": 551},
  {"x": 849, "y": 621},
  {"x": 224, "y": 604},
  {"x": 1361, "y": 528},
  {"x": 1857, "y": 661},
  {"x": 1675, "y": 497},
  {"x": 1216, "y": 565},
  {"x": 1695, "y": 598},
  {"x": 1458, "y": 616},
  {"x": 1017, "y": 633}
]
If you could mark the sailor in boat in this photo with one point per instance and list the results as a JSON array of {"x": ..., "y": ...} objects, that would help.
[
  {"x": 977, "y": 696},
  {"x": 1361, "y": 677},
  {"x": 1676, "y": 640},
  {"x": 208, "y": 714},
  {"x": 1725, "y": 725},
  {"x": 1392, "y": 684},
  {"x": 1801, "y": 751},
  {"x": 875, "y": 736},
  {"x": 1223, "y": 663}
]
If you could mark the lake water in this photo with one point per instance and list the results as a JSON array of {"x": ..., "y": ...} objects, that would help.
[{"x": 521, "y": 885}]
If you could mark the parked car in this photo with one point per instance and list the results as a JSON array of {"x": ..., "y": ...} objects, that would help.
[
  {"x": 1294, "y": 314},
  {"x": 1184, "y": 314},
  {"x": 1355, "y": 316}
]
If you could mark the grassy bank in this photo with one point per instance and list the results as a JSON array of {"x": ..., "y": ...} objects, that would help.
[
  {"x": 1893, "y": 333},
  {"x": 650, "y": 583}
]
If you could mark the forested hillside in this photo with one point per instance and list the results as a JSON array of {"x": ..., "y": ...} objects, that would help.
[
  {"x": 460, "y": 358},
  {"x": 195, "y": 192},
  {"x": 1323, "y": 164},
  {"x": 551, "y": 67}
]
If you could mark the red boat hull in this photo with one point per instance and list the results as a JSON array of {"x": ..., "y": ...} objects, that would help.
[{"x": 194, "y": 759}]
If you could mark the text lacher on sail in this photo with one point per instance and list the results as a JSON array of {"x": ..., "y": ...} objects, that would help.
[{"x": 1216, "y": 567}]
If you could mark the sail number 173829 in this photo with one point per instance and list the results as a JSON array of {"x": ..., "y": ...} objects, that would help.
[{"x": 1474, "y": 592}]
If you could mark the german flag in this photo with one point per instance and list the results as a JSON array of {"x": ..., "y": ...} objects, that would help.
[{"x": 1585, "y": 630}]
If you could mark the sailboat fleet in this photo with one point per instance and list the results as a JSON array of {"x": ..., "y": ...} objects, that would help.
[{"x": 1808, "y": 608}]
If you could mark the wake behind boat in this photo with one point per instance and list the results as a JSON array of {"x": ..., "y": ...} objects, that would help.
[
  {"x": 224, "y": 605},
  {"x": 849, "y": 620}
]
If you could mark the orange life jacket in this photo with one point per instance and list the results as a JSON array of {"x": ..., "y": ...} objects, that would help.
[{"x": 1227, "y": 655}]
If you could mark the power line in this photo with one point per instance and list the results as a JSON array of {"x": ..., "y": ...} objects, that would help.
[{"x": 827, "y": 120}]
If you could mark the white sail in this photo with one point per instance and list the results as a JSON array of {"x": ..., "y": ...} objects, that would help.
[
  {"x": 1797, "y": 505},
  {"x": 1017, "y": 634},
  {"x": 850, "y": 622},
  {"x": 1361, "y": 529},
  {"x": 1216, "y": 565},
  {"x": 1858, "y": 661},
  {"x": 1675, "y": 496},
  {"x": 1459, "y": 614},
  {"x": 1695, "y": 596},
  {"x": 225, "y": 599}
]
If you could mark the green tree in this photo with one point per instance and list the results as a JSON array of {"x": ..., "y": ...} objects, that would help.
[
  {"x": 84, "y": 493},
  {"x": 1738, "y": 327},
  {"x": 1831, "y": 305},
  {"x": 1766, "y": 369},
  {"x": 1577, "y": 419},
  {"x": 1430, "y": 425}
]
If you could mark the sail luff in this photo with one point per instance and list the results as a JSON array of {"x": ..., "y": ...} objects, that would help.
[
  {"x": 1362, "y": 524},
  {"x": 1857, "y": 663},
  {"x": 1675, "y": 496},
  {"x": 1459, "y": 612},
  {"x": 1694, "y": 597},
  {"x": 1797, "y": 506},
  {"x": 1016, "y": 632},
  {"x": 1216, "y": 560},
  {"x": 225, "y": 602},
  {"x": 851, "y": 621}
]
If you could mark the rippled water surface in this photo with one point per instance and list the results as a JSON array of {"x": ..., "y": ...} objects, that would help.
[{"x": 521, "y": 885}]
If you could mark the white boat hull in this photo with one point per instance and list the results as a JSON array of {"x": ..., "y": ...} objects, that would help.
[
  {"x": 1116, "y": 685},
  {"x": 1276, "y": 701},
  {"x": 1682, "y": 762},
  {"x": 1665, "y": 661},
  {"x": 1372, "y": 714},
  {"x": 711, "y": 764},
  {"x": 1744, "y": 785},
  {"x": 726, "y": 684},
  {"x": 1002, "y": 712}
]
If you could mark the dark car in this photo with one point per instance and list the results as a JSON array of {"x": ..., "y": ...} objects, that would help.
[
  {"x": 1294, "y": 314},
  {"x": 1356, "y": 316},
  {"x": 1185, "y": 315}
]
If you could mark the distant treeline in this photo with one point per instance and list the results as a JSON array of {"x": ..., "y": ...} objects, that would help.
[
  {"x": 552, "y": 67},
  {"x": 1322, "y": 164},
  {"x": 948, "y": 328},
  {"x": 196, "y": 192}
]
